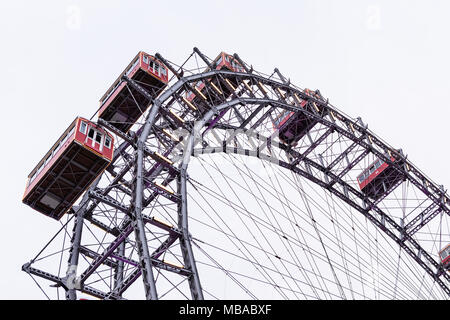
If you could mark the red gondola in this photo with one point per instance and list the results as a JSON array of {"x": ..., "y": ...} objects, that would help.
[
  {"x": 121, "y": 105},
  {"x": 292, "y": 125},
  {"x": 79, "y": 156},
  {"x": 379, "y": 177},
  {"x": 444, "y": 255},
  {"x": 226, "y": 61},
  {"x": 222, "y": 61}
]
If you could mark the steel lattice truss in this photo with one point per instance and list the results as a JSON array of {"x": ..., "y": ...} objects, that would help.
[{"x": 131, "y": 227}]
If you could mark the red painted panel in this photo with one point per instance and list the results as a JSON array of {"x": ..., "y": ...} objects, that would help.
[
  {"x": 117, "y": 90},
  {"x": 374, "y": 174},
  {"x": 139, "y": 64},
  {"x": 46, "y": 167},
  {"x": 445, "y": 261},
  {"x": 99, "y": 148},
  {"x": 76, "y": 136},
  {"x": 229, "y": 64},
  {"x": 286, "y": 118},
  {"x": 146, "y": 67}
]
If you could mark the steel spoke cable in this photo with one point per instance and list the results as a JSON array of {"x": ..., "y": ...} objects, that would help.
[
  {"x": 332, "y": 208},
  {"x": 339, "y": 238},
  {"x": 304, "y": 242},
  {"x": 246, "y": 243},
  {"x": 174, "y": 287},
  {"x": 249, "y": 252},
  {"x": 279, "y": 226},
  {"x": 51, "y": 240},
  {"x": 401, "y": 205},
  {"x": 249, "y": 277},
  {"x": 209, "y": 293},
  {"x": 228, "y": 252},
  {"x": 390, "y": 245},
  {"x": 434, "y": 241},
  {"x": 291, "y": 222},
  {"x": 265, "y": 238},
  {"x": 253, "y": 260},
  {"x": 308, "y": 208},
  {"x": 39, "y": 286},
  {"x": 263, "y": 266},
  {"x": 218, "y": 265},
  {"x": 301, "y": 268}
]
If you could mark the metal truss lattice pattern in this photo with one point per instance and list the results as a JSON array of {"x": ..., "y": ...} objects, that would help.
[{"x": 203, "y": 200}]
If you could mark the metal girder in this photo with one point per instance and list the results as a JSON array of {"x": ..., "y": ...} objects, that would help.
[
  {"x": 171, "y": 196},
  {"x": 127, "y": 138},
  {"x": 178, "y": 74},
  {"x": 313, "y": 146},
  {"x": 101, "y": 258},
  {"x": 109, "y": 201},
  {"x": 422, "y": 219},
  {"x": 355, "y": 161},
  {"x": 94, "y": 255},
  {"x": 185, "y": 240},
  {"x": 138, "y": 225},
  {"x": 115, "y": 259},
  {"x": 75, "y": 247},
  {"x": 342, "y": 155},
  {"x": 122, "y": 286},
  {"x": 62, "y": 282}
]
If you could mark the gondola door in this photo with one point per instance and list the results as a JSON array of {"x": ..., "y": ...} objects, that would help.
[{"x": 94, "y": 139}]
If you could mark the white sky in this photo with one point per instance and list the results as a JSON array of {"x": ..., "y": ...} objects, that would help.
[{"x": 386, "y": 61}]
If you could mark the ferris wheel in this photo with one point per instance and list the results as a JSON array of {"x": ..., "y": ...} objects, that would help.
[{"x": 211, "y": 180}]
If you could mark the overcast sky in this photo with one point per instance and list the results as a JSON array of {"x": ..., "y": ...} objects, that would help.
[{"x": 385, "y": 61}]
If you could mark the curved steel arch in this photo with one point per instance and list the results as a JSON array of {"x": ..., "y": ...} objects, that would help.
[{"x": 259, "y": 97}]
